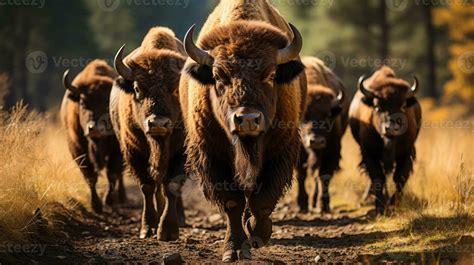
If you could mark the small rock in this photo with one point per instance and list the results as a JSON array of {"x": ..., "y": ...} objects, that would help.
[
  {"x": 172, "y": 259},
  {"x": 317, "y": 258}
]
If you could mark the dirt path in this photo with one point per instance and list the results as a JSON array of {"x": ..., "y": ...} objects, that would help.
[{"x": 342, "y": 238}]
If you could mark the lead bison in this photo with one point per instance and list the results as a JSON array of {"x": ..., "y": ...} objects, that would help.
[
  {"x": 324, "y": 124},
  {"x": 385, "y": 120},
  {"x": 242, "y": 94},
  {"x": 84, "y": 114},
  {"x": 147, "y": 120}
]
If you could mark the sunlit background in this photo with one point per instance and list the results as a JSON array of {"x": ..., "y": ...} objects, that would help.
[{"x": 433, "y": 39}]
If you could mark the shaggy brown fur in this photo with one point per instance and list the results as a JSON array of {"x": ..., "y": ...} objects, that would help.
[
  {"x": 322, "y": 130},
  {"x": 373, "y": 119},
  {"x": 243, "y": 38},
  {"x": 156, "y": 161},
  {"x": 87, "y": 103}
]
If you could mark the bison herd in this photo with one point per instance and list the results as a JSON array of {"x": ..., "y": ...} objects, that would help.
[{"x": 243, "y": 113}]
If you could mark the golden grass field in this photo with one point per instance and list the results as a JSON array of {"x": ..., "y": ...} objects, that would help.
[{"x": 38, "y": 172}]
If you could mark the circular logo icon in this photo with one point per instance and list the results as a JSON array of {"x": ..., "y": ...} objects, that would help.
[
  {"x": 397, "y": 124},
  {"x": 175, "y": 186},
  {"x": 329, "y": 59},
  {"x": 466, "y": 62},
  {"x": 397, "y": 5},
  {"x": 108, "y": 5},
  {"x": 36, "y": 62}
]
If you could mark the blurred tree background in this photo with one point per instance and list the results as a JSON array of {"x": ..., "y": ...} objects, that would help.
[{"x": 353, "y": 37}]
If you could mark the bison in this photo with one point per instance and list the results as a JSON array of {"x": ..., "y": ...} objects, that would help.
[
  {"x": 92, "y": 143},
  {"x": 242, "y": 95},
  {"x": 324, "y": 124},
  {"x": 385, "y": 119},
  {"x": 147, "y": 120}
]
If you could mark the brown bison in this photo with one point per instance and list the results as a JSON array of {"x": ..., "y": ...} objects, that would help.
[
  {"x": 147, "y": 120},
  {"x": 242, "y": 94},
  {"x": 91, "y": 141},
  {"x": 324, "y": 124},
  {"x": 385, "y": 120}
]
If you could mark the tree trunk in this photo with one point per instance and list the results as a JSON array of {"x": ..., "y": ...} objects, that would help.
[
  {"x": 19, "y": 73},
  {"x": 385, "y": 28},
  {"x": 430, "y": 50}
]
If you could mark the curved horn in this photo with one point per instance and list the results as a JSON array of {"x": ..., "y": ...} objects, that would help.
[
  {"x": 339, "y": 98},
  {"x": 121, "y": 68},
  {"x": 367, "y": 92},
  {"x": 198, "y": 55},
  {"x": 293, "y": 50},
  {"x": 67, "y": 83},
  {"x": 414, "y": 89}
]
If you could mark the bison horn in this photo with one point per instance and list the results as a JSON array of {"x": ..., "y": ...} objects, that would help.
[
  {"x": 367, "y": 92},
  {"x": 67, "y": 83},
  {"x": 339, "y": 99},
  {"x": 198, "y": 55},
  {"x": 414, "y": 88},
  {"x": 121, "y": 68},
  {"x": 292, "y": 51}
]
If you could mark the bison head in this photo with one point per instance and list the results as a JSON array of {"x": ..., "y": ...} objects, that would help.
[
  {"x": 91, "y": 89},
  {"x": 389, "y": 97},
  {"x": 324, "y": 106},
  {"x": 152, "y": 77},
  {"x": 245, "y": 65}
]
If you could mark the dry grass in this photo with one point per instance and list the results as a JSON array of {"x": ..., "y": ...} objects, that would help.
[{"x": 37, "y": 171}]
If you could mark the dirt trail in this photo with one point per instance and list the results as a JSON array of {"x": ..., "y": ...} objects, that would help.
[{"x": 341, "y": 238}]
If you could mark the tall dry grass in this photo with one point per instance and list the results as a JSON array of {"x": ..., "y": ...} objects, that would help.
[{"x": 36, "y": 171}]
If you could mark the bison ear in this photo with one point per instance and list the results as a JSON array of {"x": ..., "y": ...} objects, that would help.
[
  {"x": 288, "y": 72},
  {"x": 201, "y": 73},
  {"x": 368, "y": 101},
  {"x": 125, "y": 85},
  {"x": 411, "y": 102}
]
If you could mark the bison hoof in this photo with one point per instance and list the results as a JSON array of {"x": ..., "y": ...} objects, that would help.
[
  {"x": 303, "y": 210},
  {"x": 261, "y": 230},
  {"x": 122, "y": 197},
  {"x": 111, "y": 200},
  {"x": 244, "y": 254},
  {"x": 325, "y": 209},
  {"x": 230, "y": 256},
  {"x": 147, "y": 232},
  {"x": 165, "y": 234},
  {"x": 97, "y": 207}
]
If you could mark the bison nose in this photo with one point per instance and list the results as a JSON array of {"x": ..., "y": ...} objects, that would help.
[
  {"x": 318, "y": 142},
  {"x": 157, "y": 126},
  {"x": 247, "y": 122},
  {"x": 92, "y": 130}
]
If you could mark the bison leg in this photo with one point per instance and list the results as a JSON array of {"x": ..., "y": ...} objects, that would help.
[
  {"x": 235, "y": 246},
  {"x": 169, "y": 227},
  {"x": 323, "y": 190},
  {"x": 149, "y": 222},
  {"x": 400, "y": 177},
  {"x": 91, "y": 176},
  {"x": 302, "y": 194},
  {"x": 180, "y": 210},
  {"x": 121, "y": 190},
  {"x": 377, "y": 176},
  {"x": 114, "y": 174}
]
